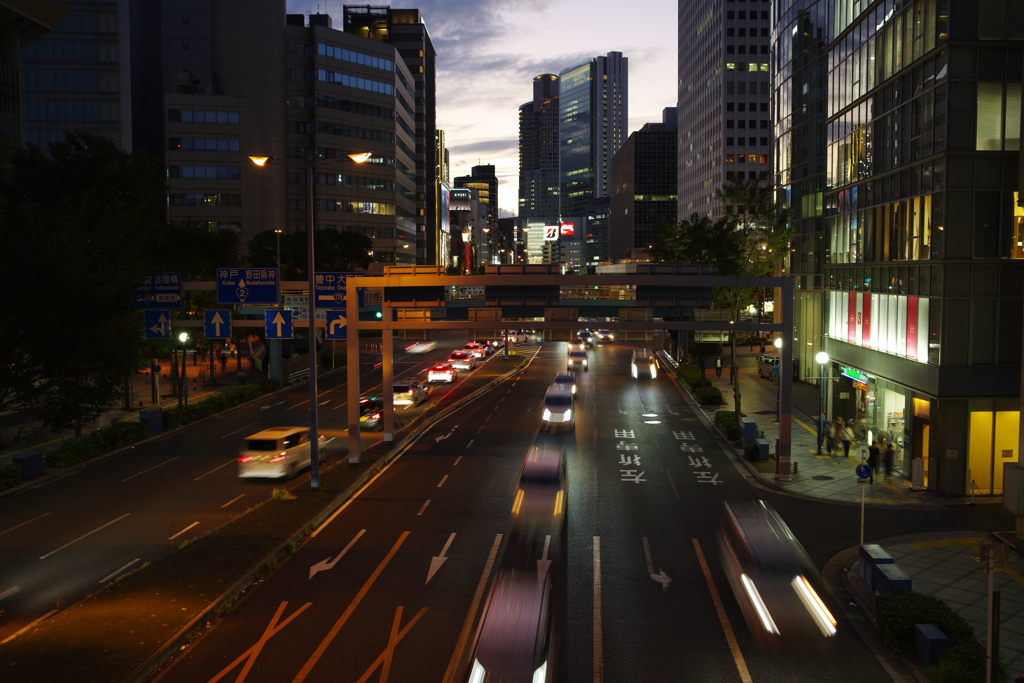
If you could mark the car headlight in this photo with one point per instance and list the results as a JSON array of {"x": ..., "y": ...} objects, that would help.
[
  {"x": 478, "y": 673},
  {"x": 541, "y": 673},
  {"x": 762, "y": 610},
  {"x": 568, "y": 415},
  {"x": 584, "y": 362},
  {"x": 824, "y": 620},
  {"x": 547, "y": 415}
]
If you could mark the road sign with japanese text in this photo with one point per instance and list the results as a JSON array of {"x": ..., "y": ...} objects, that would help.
[
  {"x": 159, "y": 289},
  {"x": 247, "y": 286},
  {"x": 330, "y": 289}
]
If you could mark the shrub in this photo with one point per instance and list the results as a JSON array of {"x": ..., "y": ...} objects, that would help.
[
  {"x": 688, "y": 374},
  {"x": 895, "y": 616},
  {"x": 10, "y": 475},
  {"x": 708, "y": 396},
  {"x": 97, "y": 443},
  {"x": 725, "y": 420},
  {"x": 750, "y": 452},
  {"x": 178, "y": 416}
]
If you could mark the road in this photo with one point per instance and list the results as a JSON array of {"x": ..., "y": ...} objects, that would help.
[
  {"x": 67, "y": 538},
  {"x": 391, "y": 588}
]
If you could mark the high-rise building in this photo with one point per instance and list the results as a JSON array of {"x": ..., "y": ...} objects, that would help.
[
  {"x": 22, "y": 22},
  {"x": 404, "y": 29},
  {"x": 280, "y": 88},
  {"x": 724, "y": 119},
  {"x": 643, "y": 187},
  {"x": 918, "y": 108},
  {"x": 483, "y": 179},
  {"x": 538, "y": 151},
  {"x": 97, "y": 71}
]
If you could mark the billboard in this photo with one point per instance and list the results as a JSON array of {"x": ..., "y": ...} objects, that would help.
[
  {"x": 445, "y": 207},
  {"x": 566, "y": 229},
  {"x": 550, "y": 233}
]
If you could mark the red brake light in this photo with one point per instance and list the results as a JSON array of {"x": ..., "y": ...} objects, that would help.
[
  {"x": 376, "y": 416},
  {"x": 245, "y": 459},
  {"x": 278, "y": 458}
]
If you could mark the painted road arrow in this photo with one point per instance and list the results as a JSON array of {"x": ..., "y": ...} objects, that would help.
[
  {"x": 329, "y": 563},
  {"x": 661, "y": 577},
  {"x": 544, "y": 564},
  {"x": 436, "y": 562},
  {"x": 439, "y": 439}
]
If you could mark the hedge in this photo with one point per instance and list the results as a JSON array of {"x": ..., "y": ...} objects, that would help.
[
  {"x": 96, "y": 443},
  {"x": 708, "y": 396},
  {"x": 176, "y": 417},
  {"x": 691, "y": 376},
  {"x": 10, "y": 475},
  {"x": 895, "y": 617},
  {"x": 725, "y": 420}
]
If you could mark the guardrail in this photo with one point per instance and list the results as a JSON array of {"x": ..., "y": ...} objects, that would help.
[{"x": 299, "y": 376}]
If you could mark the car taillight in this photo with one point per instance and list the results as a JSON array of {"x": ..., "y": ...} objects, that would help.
[
  {"x": 246, "y": 458},
  {"x": 278, "y": 458},
  {"x": 409, "y": 392},
  {"x": 375, "y": 416}
]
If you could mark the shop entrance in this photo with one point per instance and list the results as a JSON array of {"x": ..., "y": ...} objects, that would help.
[{"x": 993, "y": 441}]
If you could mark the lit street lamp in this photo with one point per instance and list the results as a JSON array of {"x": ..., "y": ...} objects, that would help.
[
  {"x": 778, "y": 377},
  {"x": 314, "y": 436},
  {"x": 822, "y": 359},
  {"x": 183, "y": 386}
]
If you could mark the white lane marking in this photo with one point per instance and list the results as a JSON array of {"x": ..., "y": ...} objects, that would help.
[
  {"x": 730, "y": 635},
  {"x": 661, "y": 577},
  {"x": 183, "y": 531},
  {"x": 268, "y": 407},
  {"x": 239, "y": 430},
  {"x": 151, "y": 468},
  {"x": 232, "y": 501},
  {"x": 114, "y": 573},
  {"x": 488, "y": 418},
  {"x": 23, "y": 523},
  {"x": 215, "y": 469},
  {"x": 84, "y": 536},
  {"x": 480, "y": 430},
  {"x": 470, "y": 443},
  {"x": 457, "y": 460},
  {"x": 509, "y": 391},
  {"x": 423, "y": 508},
  {"x": 544, "y": 564},
  {"x": 460, "y": 644},
  {"x": 672, "y": 483},
  {"x": 329, "y": 563},
  {"x": 40, "y": 619},
  {"x": 598, "y": 628},
  {"x": 438, "y": 560},
  {"x": 9, "y": 592},
  {"x": 442, "y": 481}
]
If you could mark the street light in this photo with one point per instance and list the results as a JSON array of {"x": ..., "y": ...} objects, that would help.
[
  {"x": 778, "y": 376},
  {"x": 278, "y": 231},
  {"x": 314, "y": 436},
  {"x": 183, "y": 386},
  {"x": 822, "y": 359}
]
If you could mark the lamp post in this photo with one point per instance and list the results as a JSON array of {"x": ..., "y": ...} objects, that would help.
[
  {"x": 278, "y": 231},
  {"x": 778, "y": 377},
  {"x": 183, "y": 387},
  {"x": 314, "y": 435},
  {"x": 822, "y": 359}
]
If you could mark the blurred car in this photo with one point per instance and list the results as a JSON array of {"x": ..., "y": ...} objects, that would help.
[
  {"x": 476, "y": 349},
  {"x": 515, "y": 337},
  {"x": 577, "y": 357},
  {"x": 557, "y": 406},
  {"x": 516, "y": 640},
  {"x": 410, "y": 392},
  {"x": 276, "y": 452},
  {"x": 371, "y": 412},
  {"x": 566, "y": 380},
  {"x": 540, "y": 500},
  {"x": 605, "y": 336},
  {"x": 442, "y": 373},
  {"x": 421, "y": 346},
  {"x": 766, "y": 366},
  {"x": 776, "y": 585},
  {"x": 493, "y": 343},
  {"x": 585, "y": 338},
  {"x": 462, "y": 360},
  {"x": 645, "y": 363},
  {"x": 486, "y": 345}
]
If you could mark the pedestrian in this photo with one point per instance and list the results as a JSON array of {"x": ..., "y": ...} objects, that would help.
[
  {"x": 873, "y": 461},
  {"x": 775, "y": 373},
  {"x": 830, "y": 438},
  {"x": 718, "y": 366},
  {"x": 846, "y": 435},
  {"x": 224, "y": 360},
  {"x": 888, "y": 455},
  {"x": 195, "y": 355},
  {"x": 762, "y": 347}
]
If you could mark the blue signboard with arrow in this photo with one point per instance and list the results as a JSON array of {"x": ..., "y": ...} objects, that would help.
[
  {"x": 278, "y": 323},
  {"x": 217, "y": 324}
]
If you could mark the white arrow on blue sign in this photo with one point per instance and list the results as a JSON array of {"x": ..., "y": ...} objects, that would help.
[
  {"x": 278, "y": 323},
  {"x": 157, "y": 323},
  {"x": 337, "y": 325},
  {"x": 217, "y": 324}
]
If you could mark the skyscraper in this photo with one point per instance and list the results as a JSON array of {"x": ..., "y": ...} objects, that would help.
[
  {"x": 485, "y": 182},
  {"x": 724, "y": 122},
  {"x": 593, "y": 117},
  {"x": 405, "y": 30},
  {"x": 538, "y": 152}
]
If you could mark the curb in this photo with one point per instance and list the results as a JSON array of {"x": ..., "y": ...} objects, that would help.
[{"x": 187, "y": 632}]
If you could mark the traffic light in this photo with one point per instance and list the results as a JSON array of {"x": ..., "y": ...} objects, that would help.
[{"x": 379, "y": 315}]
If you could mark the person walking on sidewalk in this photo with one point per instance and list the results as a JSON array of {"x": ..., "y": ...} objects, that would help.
[
  {"x": 830, "y": 438},
  {"x": 718, "y": 366},
  {"x": 873, "y": 460},
  {"x": 888, "y": 456},
  {"x": 846, "y": 435}
]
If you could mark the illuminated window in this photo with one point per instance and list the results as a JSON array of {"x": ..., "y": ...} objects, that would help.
[
  {"x": 742, "y": 159},
  {"x": 730, "y": 66},
  {"x": 729, "y": 158},
  {"x": 764, "y": 66},
  {"x": 764, "y": 158},
  {"x": 753, "y": 66}
]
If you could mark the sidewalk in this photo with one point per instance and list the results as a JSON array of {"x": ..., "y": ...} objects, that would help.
[{"x": 942, "y": 564}]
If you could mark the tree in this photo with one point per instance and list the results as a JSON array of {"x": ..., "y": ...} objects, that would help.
[
  {"x": 335, "y": 250},
  {"x": 750, "y": 237},
  {"x": 74, "y": 224}
]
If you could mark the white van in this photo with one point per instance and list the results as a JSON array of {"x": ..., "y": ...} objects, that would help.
[
  {"x": 276, "y": 452},
  {"x": 644, "y": 363}
]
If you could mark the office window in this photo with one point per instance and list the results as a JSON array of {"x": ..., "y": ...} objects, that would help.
[
  {"x": 729, "y": 106},
  {"x": 730, "y": 33},
  {"x": 743, "y": 49},
  {"x": 764, "y": 158},
  {"x": 728, "y": 142},
  {"x": 730, "y": 15},
  {"x": 742, "y": 106},
  {"x": 730, "y": 49},
  {"x": 730, "y": 66},
  {"x": 764, "y": 142},
  {"x": 764, "y": 49},
  {"x": 730, "y": 158}
]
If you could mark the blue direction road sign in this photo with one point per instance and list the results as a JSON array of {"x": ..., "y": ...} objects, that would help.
[
  {"x": 278, "y": 323},
  {"x": 330, "y": 289},
  {"x": 863, "y": 471},
  {"x": 217, "y": 324},
  {"x": 247, "y": 286},
  {"x": 337, "y": 326},
  {"x": 159, "y": 290},
  {"x": 157, "y": 323}
]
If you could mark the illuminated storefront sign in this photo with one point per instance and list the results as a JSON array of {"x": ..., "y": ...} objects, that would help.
[
  {"x": 566, "y": 228},
  {"x": 550, "y": 233}
]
